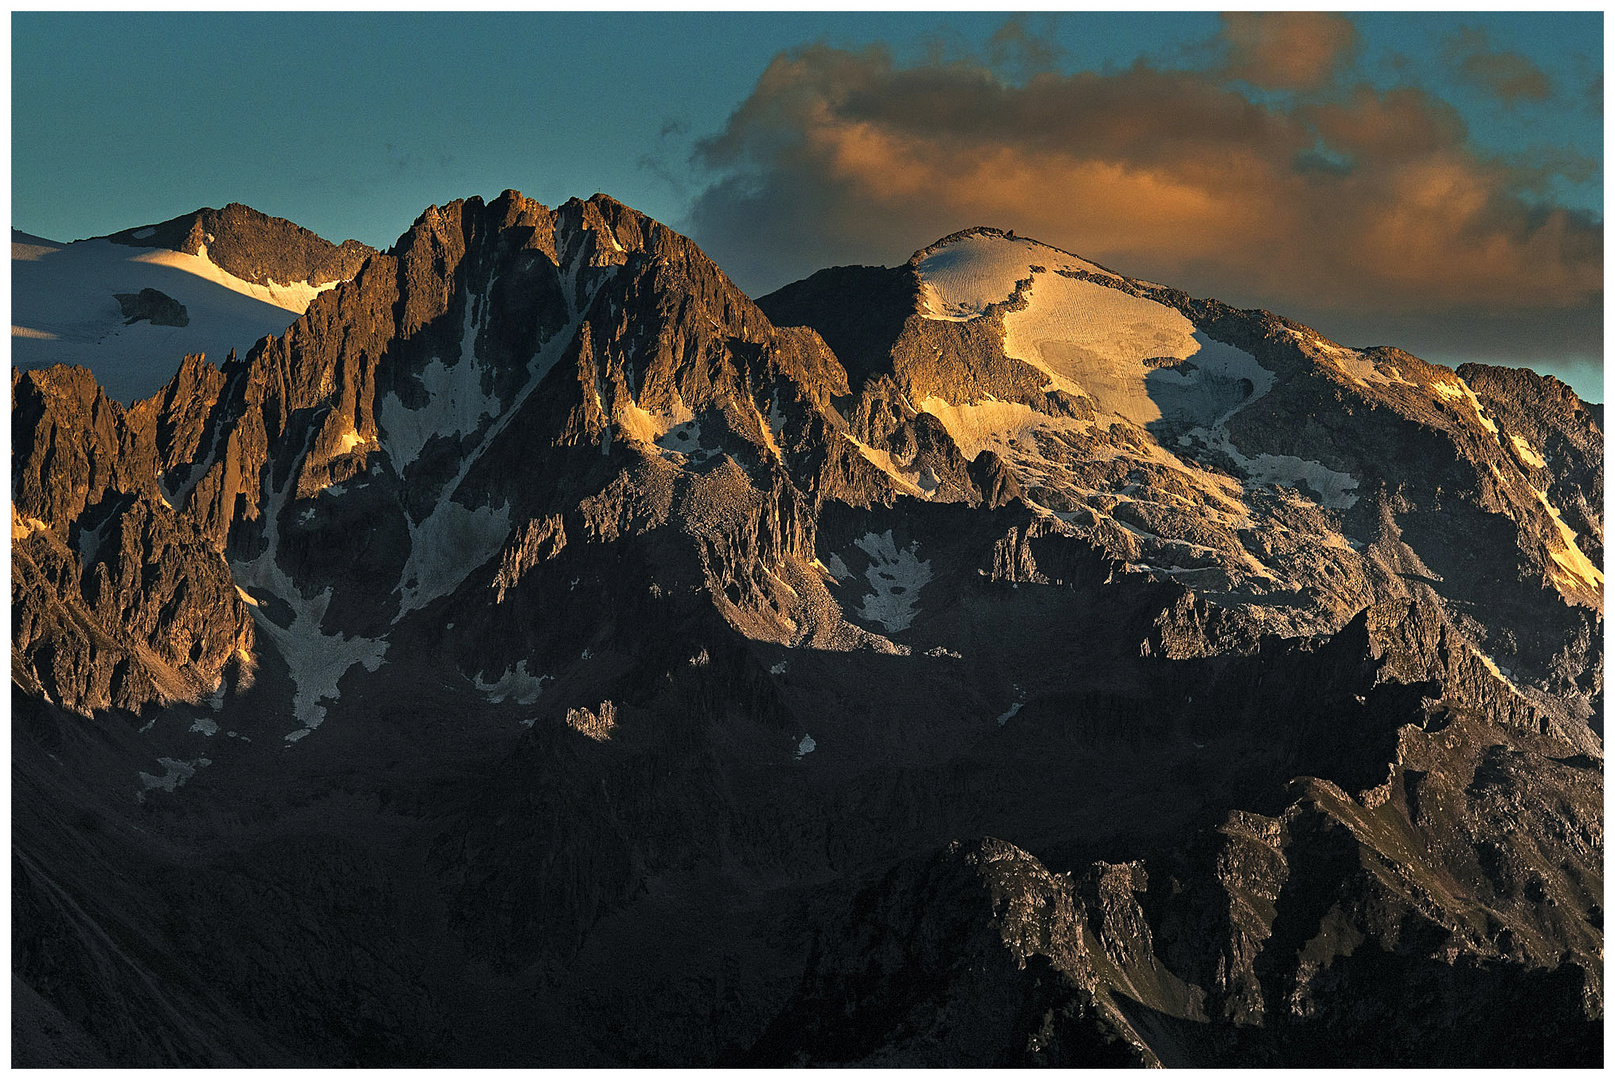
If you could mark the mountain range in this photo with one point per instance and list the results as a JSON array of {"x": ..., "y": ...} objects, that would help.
[{"x": 526, "y": 649}]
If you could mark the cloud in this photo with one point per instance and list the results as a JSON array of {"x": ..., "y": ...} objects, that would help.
[
  {"x": 1287, "y": 50},
  {"x": 1021, "y": 51},
  {"x": 1365, "y": 204},
  {"x": 1502, "y": 73},
  {"x": 669, "y": 162}
]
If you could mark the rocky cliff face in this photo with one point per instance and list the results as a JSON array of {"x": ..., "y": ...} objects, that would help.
[
  {"x": 577, "y": 639},
  {"x": 117, "y": 600}
]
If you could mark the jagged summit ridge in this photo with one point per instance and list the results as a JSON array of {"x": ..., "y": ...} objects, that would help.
[
  {"x": 252, "y": 246},
  {"x": 538, "y": 626},
  {"x": 1154, "y": 426}
]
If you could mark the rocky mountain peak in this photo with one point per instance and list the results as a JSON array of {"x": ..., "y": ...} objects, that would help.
[
  {"x": 987, "y": 660},
  {"x": 252, "y": 245}
]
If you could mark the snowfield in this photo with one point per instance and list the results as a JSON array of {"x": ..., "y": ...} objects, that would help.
[
  {"x": 64, "y": 310},
  {"x": 1135, "y": 358},
  {"x": 1120, "y": 350},
  {"x": 960, "y": 280}
]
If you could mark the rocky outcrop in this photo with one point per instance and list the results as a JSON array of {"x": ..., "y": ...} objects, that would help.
[
  {"x": 978, "y": 957},
  {"x": 156, "y": 307},
  {"x": 1554, "y": 436},
  {"x": 253, "y": 246},
  {"x": 1247, "y": 947},
  {"x": 117, "y": 600}
]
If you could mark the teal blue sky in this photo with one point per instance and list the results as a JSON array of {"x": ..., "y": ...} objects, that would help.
[{"x": 352, "y": 124}]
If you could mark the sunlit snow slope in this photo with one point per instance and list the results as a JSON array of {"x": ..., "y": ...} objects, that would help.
[{"x": 64, "y": 310}]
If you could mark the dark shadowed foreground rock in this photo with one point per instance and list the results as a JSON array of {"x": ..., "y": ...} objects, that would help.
[{"x": 544, "y": 655}]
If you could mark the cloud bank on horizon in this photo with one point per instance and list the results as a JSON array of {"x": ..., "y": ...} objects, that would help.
[{"x": 1263, "y": 172}]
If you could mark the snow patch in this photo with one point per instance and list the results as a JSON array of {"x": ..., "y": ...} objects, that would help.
[
  {"x": 204, "y": 726},
  {"x": 450, "y": 543},
  {"x": 1572, "y": 566},
  {"x": 456, "y": 403},
  {"x": 315, "y": 660},
  {"x": 804, "y": 748},
  {"x": 1121, "y": 350},
  {"x": 991, "y": 425},
  {"x": 141, "y": 234},
  {"x": 684, "y": 437},
  {"x": 1015, "y": 706},
  {"x": 1334, "y": 489},
  {"x": 1527, "y": 453},
  {"x": 1501, "y": 675},
  {"x": 882, "y": 460},
  {"x": 1460, "y": 390},
  {"x": 779, "y": 668},
  {"x": 175, "y": 773},
  {"x": 896, "y": 575},
  {"x": 837, "y": 568},
  {"x": 514, "y": 685},
  {"x": 776, "y": 419},
  {"x": 1357, "y": 368},
  {"x": 455, "y": 406}
]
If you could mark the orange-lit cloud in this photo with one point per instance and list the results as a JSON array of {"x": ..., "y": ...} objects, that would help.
[
  {"x": 1287, "y": 50},
  {"x": 1503, "y": 73},
  {"x": 1364, "y": 203}
]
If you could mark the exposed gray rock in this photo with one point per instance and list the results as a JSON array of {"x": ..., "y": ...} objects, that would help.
[{"x": 158, "y": 308}]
